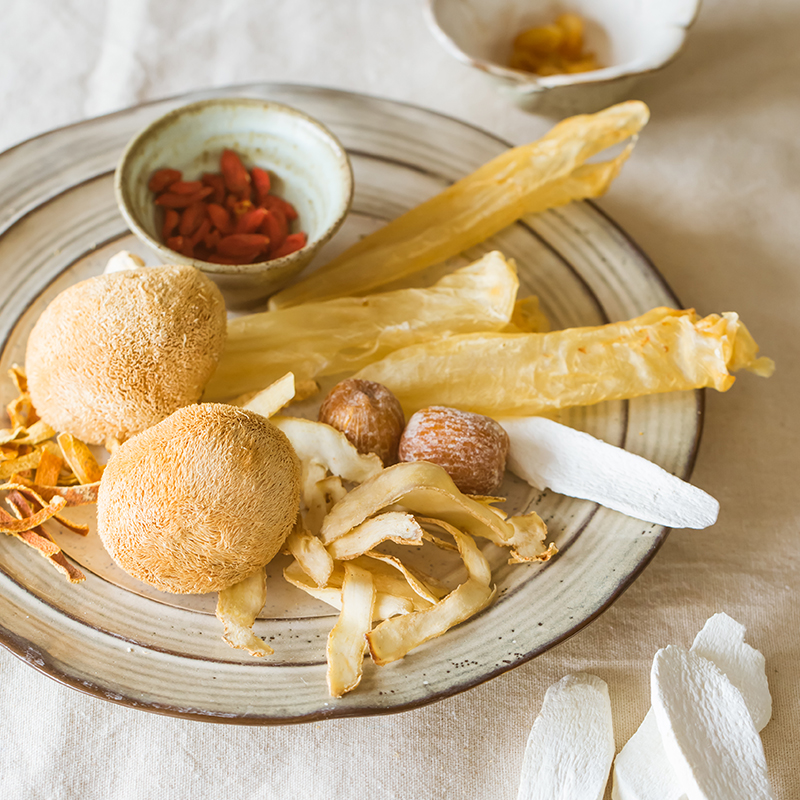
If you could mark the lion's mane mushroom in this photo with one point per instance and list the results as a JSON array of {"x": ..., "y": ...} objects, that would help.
[
  {"x": 200, "y": 500},
  {"x": 115, "y": 354}
]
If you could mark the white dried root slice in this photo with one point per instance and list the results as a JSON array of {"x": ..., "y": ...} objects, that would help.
[
  {"x": 122, "y": 261},
  {"x": 428, "y": 589},
  {"x": 706, "y": 729},
  {"x": 549, "y": 455},
  {"x": 386, "y": 604},
  {"x": 320, "y": 443},
  {"x": 310, "y": 554},
  {"x": 571, "y": 744},
  {"x": 238, "y": 607},
  {"x": 426, "y": 489},
  {"x": 346, "y": 334},
  {"x": 642, "y": 770},
  {"x": 393, "y": 526},
  {"x": 394, "y": 638},
  {"x": 271, "y": 400},
  {"x": 347, "y": 640}
]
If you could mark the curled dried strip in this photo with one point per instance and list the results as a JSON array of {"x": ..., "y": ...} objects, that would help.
[
  {"x": 20, "y": 464},
  {"x": 19, "y": 378},
  {"x": 82, "y": 495},
  {"x": 347, "y": 639},
  {"x": 21, "y": 411},
  {"x": 31, "y": 521},
  {"x": 394, "y": 638},
  {"x": 238, "y": 607},
  {"x": 310, "y": 554},
  {"x": 394, "y": 526},
  {"x": 80, "y": 458},
  {"x": 39, "y": 502},
  {"x": 386, "y": 604},
  {"x": 271, "y": 400},
  {"x": 49, "y": 468}
]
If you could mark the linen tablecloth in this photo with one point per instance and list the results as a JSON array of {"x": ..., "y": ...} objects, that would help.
[{"x": 711, "y": 194}]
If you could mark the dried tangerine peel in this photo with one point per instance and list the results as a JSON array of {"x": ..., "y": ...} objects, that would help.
[
  {"x": 80, "y": 495},
  {"x": 427, "y": 490},
  {"x": 520, "y": 181},
  {"x": 347, "y": 639},
  {"x": 49, "y": 468},
  {"x": 20, "y": 464},
  {"x": 21, "y": 412},
  {"x": 346, "y": 334},
  {"x": 80, "y": 459},
  {"x": 395, "y": 637},
  {"x": 663, "y": 350},
  {"x": 238, "y": 607}
]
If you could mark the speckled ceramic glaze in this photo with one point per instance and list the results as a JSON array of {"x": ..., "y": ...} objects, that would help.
[
  {"x": 308, "y": 166},
  {"x": 123, "y": 641},
  {"x": 629, "y": 37}
]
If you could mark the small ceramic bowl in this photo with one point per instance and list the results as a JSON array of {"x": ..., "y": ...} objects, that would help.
[
  {"x": 307, "y": 164},
  {"x": 631, "y": 37}
]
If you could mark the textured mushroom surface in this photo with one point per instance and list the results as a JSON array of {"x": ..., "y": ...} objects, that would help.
[
  {"x": 201, "y": 500},
  {"x": 117, "y": 353}
]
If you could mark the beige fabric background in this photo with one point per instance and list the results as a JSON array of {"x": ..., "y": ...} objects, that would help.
[{"x": 711, "y": 194}]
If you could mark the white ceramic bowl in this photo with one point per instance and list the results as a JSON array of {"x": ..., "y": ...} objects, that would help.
[
  {"x": 631, "y": 37},
  {"x": 308, "y": 165}
]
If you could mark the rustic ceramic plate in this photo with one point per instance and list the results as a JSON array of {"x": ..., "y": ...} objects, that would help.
[{"x": 116, "y": 639}]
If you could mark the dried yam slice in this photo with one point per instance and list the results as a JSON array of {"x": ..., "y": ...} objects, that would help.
[
  {"x": 549, "y": 455},
  {"x": 238, "y": 607},
  {"x": 706, "y": 729},
  {"x": 571, "y": 744},
  {"x": 347, "y": 639},
  {"x": 642, "y": 770}
]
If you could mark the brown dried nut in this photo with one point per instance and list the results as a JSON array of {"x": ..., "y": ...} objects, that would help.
[
  {"x": 368, "y": 414},
  {"x": 471, "y": 448}
]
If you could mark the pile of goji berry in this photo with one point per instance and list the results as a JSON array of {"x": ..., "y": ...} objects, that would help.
[{"x": 225, "y": 218}]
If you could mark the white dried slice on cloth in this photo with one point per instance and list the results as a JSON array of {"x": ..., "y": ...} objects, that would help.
[
  {"x": 642, "y": 770},
  {"x": 238, "y": 607},
  {"x": 706, "y": 729},
  {"x": 122, "y": 261},
  {"x": 271, "y": 400},
  {"x": 393, "y": 526},
  {"x": 310, "y": 554},
  {"x": 322, "y": 444},
  {"x": 347, "y": 640},
  {"x": 426, "y": 489},
  {"x": 571, "y": 744},
  {"x": 386, "y": 604},
  {"x": 395, "y": 637},
  {"x": 549, "y": 455}
]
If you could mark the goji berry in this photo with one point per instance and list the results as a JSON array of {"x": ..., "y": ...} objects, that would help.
[
  {"x": 169, "y": 200},
  {"x": 237, "y": 179},
  {"x": 251, "y": 220},
  {"x": 294, "y": 242},
  {"x": 162, "y": 178},
  {"x": 171, "y": 220},
  {"x": 191, "y": 218}
]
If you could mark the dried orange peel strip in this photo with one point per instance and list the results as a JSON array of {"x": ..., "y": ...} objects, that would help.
[
  {"x": 19, "y": 464},
  {"x": 31, "y": 495},
  {"x": 81, "y": 495},
  {"x": 238, "y": 607},
  {"x": 49, "y": 468},
  {"x": 80, "y": 459},
  {"x": 395, "y": 637},
  {"x": 347, "y": 639},
  {"x": 520, "y": 181}
]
